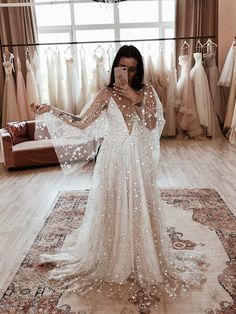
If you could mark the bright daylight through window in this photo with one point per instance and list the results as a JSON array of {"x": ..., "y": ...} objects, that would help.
[{"x": 86, "y": 20}]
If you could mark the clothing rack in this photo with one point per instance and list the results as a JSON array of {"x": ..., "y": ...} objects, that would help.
[{"x": 104, "y": 41}]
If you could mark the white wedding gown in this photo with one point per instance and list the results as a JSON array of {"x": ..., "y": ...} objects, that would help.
[{"x": 122, "y": 242}]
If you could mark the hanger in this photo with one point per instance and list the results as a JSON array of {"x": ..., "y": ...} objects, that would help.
[
  {"x": 99, "y": 49},
  {"x": 210, "y": 46},
  {"x": 49, "y": 49},
  {"x": 68, "y": 53},
  {"x": 198, "y": 46},
  {"x": 185, "y": 46}
]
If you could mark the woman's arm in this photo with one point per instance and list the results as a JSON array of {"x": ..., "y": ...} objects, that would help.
[
  {"x": 145, "y": 106},
  {"x": 91, "y": 114}
]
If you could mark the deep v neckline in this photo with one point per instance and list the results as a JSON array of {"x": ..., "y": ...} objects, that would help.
[{"x": 123, "y": 119}]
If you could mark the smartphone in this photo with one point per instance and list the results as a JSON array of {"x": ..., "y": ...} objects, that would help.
[{"x": 121, "y": 72}]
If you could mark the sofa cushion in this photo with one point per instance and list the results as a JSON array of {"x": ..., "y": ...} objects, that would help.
[
  {"x": 33, "y": 145},
  {"x": 18, "y": 131}
]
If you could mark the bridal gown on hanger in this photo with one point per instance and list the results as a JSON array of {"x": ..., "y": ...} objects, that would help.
[
  {"x": 21, "y": 94},
  {"x": 122, "y": 242},
  {"x": 100, "y": 75},
  {"x": 170, "y": 126},
  {"x": 31, "y": 87},
  {"x": 10, "y": 110},
  {"x": 206, "y": 113},
  {"x": 230, "y": 107},
  {"x": 84, "y": 94},
  {"x": 187, "y": 116},
  {"x": 73, "y": 87},
  {"x": 217, "y": 93},
  {"x": 51, "y": 76}
]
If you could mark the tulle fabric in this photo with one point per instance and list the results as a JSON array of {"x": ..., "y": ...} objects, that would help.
[
  {"x": 10, "y": 111},
  {"x": 38, "y": 75},
  {"x": 230, "y": 107},
  {"x": 73, "y": 87},
  {"x": 170, "y": 117},
  {"x": 74, "y": 147},
  {"x": 21, "y": 94},
  {"x": 232, "y": 137},
  {"x": 84, "y": 95},
  {"x": 51, "y": 76},
  {"x": 206, "y": 113},
  {"x": 187, "y": 116},
  {"x": 217, "y": 92},
  {"x": 122, "y": 244},
  {"x": 227, "y": 71},
  {"x": 31, "y": 87},
  {"x": 100, "y": 75}
]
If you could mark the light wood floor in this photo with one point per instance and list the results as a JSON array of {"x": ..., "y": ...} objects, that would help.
[{"x": 26, "y": 196}]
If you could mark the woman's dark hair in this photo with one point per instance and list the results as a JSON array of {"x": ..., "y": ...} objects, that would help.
[{"x": 129, "y": 52}]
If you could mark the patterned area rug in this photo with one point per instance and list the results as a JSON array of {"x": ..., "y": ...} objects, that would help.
[{"x": 30, "y": 291}]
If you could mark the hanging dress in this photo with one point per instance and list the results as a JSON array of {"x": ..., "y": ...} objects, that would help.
[
  {"x": 31, "y": 87},
  {"x": 100, "y": 75},
  {"x": 201, "y": 91},
  {"x": 170, "y": 117},
  {"x": 10, "y": 110},
  {"x": 217, "y": 93},
  {"x": 206, "y": 113},
  {"x": 84, "y": 94},
  {"x": 227, "y": 71},
  {"x": 51, "y": 76},
  {"x": 60, "y": 81},
  {"x": 21, "y": 93},
  {"x": 38, "y": 76},
  {"x": 150, "y": 76},
  {"x": 73, "y": 87},
  {"x": 230, "y": 107},
  {"x": 111, "y": 56},
  {"x": 187, "y": 116},
  {"x": 162, "y": 74}
]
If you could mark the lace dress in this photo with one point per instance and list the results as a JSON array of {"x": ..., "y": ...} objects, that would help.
[{"x": 122, "y": 244}]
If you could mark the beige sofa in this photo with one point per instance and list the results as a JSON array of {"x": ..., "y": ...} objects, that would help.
[{"x": 29, "y": 153}]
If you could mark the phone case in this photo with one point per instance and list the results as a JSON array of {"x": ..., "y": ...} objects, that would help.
[{"x": 122, "y": 71}]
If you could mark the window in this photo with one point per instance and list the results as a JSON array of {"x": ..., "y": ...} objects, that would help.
[
  {"x": 86, "y": 21},
  {"x": 132, "y": 19}
]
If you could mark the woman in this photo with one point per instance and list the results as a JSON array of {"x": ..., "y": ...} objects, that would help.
[{"x": 122, "y": 242}]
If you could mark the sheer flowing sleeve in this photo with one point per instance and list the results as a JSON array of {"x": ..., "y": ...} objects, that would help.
[
  {"x": 150, "y": 112},
  {"x": 76, "y": 139}
]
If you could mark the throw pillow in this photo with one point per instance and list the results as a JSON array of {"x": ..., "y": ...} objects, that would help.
[{"x": 18, "y": 131}]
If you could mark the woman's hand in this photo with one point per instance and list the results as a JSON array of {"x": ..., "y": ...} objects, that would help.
[
  {"x": 40, "y": 109},
  {"x": 124, "y": 90}
]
